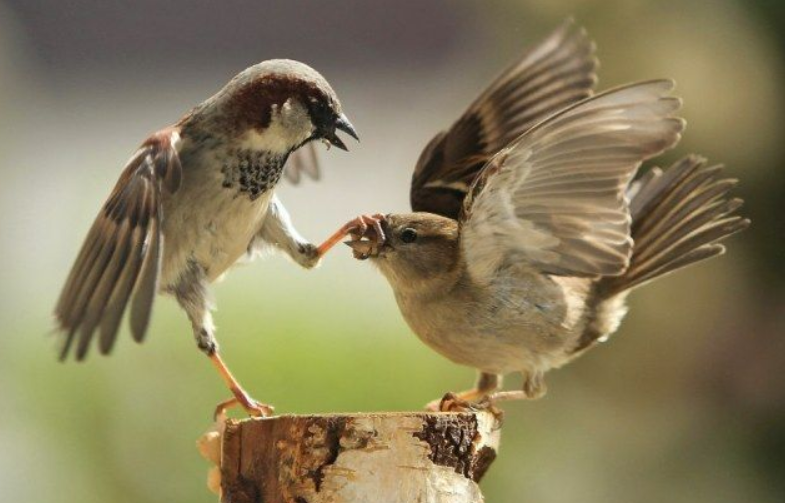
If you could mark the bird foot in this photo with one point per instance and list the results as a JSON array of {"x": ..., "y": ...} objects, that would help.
[
  {"x": 452, "y": 402},
  {"x": 367, "y": 235},
  {"x": 241, "y": 398},
  {"x": 356, "y": 228},
  {"x": 251, "y": 406}
]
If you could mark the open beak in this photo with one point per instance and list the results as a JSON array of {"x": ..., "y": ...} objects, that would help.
[{"x": 341, "y": 124}]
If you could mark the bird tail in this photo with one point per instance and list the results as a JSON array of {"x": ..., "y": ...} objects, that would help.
[{"x": 679, "y": 217}]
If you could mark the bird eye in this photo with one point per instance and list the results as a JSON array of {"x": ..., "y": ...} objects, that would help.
[{"x": 409, "y": 235}]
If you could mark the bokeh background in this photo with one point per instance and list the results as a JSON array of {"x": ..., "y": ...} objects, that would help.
[{"x": 686, "y": 403}]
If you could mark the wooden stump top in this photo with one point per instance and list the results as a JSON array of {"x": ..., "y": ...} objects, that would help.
[{"x": 346, "y": 458}]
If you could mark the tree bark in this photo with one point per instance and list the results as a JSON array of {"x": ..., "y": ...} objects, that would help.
[{"x": 374, "y": 458}]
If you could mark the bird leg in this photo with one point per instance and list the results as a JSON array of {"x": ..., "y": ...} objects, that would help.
[
  {"x": 533, "y": 388},
  {"x": 192, "y": 295},
  {"x": 241, "y": 397},
  {"x": 469, "y": 399},
  {"x": 507, "y": 396},
  {"x": 357, "y": 227}
]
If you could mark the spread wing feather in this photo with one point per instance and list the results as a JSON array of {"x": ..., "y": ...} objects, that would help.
[
  {"x": 121, "y": 257},
  {"x": 551, "y": 76},
  {"x": 555, "y": 198}
]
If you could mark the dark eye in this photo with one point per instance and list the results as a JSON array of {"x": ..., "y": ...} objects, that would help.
[{"x": 409, "y": 235}]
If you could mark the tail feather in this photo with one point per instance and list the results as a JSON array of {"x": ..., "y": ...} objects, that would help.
[{"x": 679, "y": 216}]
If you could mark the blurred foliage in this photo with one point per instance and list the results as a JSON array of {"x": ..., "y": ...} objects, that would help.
[{"x": 686, "y": 403}]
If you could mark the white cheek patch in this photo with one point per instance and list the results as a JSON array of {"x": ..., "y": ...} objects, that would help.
[
  {"x": 290, "y": 125},
  {"x": 294, "y": 117}
]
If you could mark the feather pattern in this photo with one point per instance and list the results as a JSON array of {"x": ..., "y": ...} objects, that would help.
[
  {"x": 121, "y": 258},
  {"x": 679, "y": 217},
  {"x": 558, "y": 72},
  {"x": 555, "y": 198}
]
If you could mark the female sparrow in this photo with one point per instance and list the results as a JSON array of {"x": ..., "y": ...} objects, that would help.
[{"x": 528, "y": 232}]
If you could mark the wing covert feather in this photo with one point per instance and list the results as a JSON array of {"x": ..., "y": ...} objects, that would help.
[{"x": 555, "y": 198}]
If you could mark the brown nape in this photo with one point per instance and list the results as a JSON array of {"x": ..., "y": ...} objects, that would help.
[{"x": 679, "y": 217}]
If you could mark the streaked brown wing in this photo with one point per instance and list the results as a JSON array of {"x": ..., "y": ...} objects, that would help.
[
  {"x": 120, "y": 259},
  {"x": 555, "y": 198},
  {"x": 304, "y": 160},
  {"x": 558, "y": 72}
]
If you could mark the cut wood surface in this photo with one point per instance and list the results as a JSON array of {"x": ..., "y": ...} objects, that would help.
[{"x": 354, "y": 458}]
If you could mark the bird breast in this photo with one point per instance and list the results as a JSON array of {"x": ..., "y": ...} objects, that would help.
[
  {"x": 522, "y": 321},
  {"x": 217, "y": 212}
]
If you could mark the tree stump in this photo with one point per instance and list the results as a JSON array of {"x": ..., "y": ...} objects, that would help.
[{"x": 374, "y": 458}]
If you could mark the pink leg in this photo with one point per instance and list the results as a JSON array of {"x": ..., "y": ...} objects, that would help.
[
  {"x": 357, "y": 227},
  {"x": 241, "y": 397}
]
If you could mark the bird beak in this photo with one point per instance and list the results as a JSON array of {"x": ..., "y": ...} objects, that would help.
[
  {"x": 344, "y": 125},
  {"x": 341, "y": 124},
  {"x": 362, "y": 249}
]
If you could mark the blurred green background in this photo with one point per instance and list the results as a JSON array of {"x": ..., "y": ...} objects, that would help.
[{"x": 685, "y": 404}]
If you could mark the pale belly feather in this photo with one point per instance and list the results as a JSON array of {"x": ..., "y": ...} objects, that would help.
[
  {"x": 225, "y": 194},
  {"x": 208, "y": 225},
  {"x": 520, "y": 324}
]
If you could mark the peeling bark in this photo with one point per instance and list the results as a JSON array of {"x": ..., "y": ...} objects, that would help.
[{"x": 378, "y": 458}]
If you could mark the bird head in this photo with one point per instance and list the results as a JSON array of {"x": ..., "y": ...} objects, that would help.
[
  {"x": 279, "y": 105},
  {"x": 417, "y": 248}
]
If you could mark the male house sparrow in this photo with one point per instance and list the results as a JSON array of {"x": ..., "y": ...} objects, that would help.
[
  {"x": 523, "y": 247},
  {"x": 196, "y": 197}
]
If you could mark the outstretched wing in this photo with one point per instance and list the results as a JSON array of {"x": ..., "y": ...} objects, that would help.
[
  {"x": 551, "y": 76},
  {"x": 120, "y": 260},
  {"x": 555, "y": 198},
  {"x": 303, "y": 161}
]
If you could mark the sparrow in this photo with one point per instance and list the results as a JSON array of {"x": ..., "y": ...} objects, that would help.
[
  {"x": 528, "y": 231},
  {"x": 195, "y": 198}
]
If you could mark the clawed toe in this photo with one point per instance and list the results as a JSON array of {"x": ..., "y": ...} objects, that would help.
[
  {"x": 357, "y": 228},
  {"x": 258, "y": 409},
  {"x": 251, "y": 407},
  {"x": 451, "y": 402},
  {"x": 360, "y": 227},
  {"x": 367, "y": 236}
]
